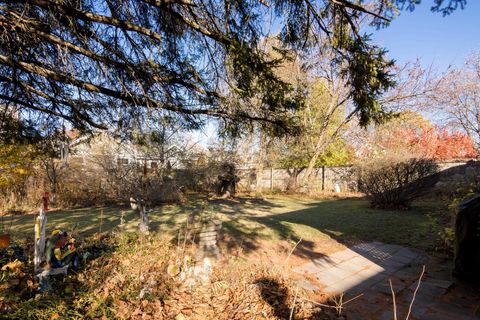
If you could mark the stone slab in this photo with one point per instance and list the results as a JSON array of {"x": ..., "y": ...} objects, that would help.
[
  {"x": 213, "y": 228},
  {"x": 344, "y": 255},
  {"x": 373, "y": 270},
  {"x": 401, "y": 259},
  {"x": 390, "y": 248},
  {"x": 377, "y": 256},
  {"x": 367, "y": 283},
  {"x": 384, "y": 287},
  {"x": 351, "y": 268},
  {"x": 407, "y": 252},
  {"x": 455, "y": 311},
  {"x": 353, "y": 281},
  {"x": 308, "y": 268},
  {"x": 366, "y": 247},
  {"x": 307, "y": 285},
  {"x": 207, "y": 243},
  {"x": 362, "y": 262},
  {"x": 356, "y": 269},
  {"x": 445, "y": 284},
  {"x": 391, "y": 266},
  {"x": 207, "y": 234},
  {"x": 407, "y": 273},
  {"x": 326, "y": 262},
  {"x": 206, "y": 238},
  {"x": 331, "y": 276},
  {"x": 428, "y": 288},
  {"x": 420, "y": 299}
]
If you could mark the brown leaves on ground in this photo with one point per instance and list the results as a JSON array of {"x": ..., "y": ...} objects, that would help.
[
  {"x": 133, "y": 282},
  {"x": 13, "y": 266},
  {"x": 237, "y": 289}
]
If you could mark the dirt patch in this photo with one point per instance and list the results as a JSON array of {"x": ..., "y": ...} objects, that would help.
[{"x": 278, "y": 252}]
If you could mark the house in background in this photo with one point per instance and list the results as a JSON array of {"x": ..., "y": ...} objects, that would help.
[{"x": 102, "y": 145}]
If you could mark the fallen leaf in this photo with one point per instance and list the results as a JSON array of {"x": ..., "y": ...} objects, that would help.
[
  {"x": 14, "y": 265},
  {"x": 180, "y": 316},
  {"x": 54, "y": 316}
]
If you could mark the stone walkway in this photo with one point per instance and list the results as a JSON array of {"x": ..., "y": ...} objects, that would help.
[
  {"x": 355, "y": 269},
  {"x": 367, "y": 268}
]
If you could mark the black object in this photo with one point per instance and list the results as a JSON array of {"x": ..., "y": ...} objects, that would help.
[
  {"x": 467, "y": 240},
  {"x": 228, "y": 180}
]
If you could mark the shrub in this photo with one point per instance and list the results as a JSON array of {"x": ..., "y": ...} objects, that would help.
[{"x": 394, "y": 183}]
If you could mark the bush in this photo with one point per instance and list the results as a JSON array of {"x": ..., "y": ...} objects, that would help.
[{"x": 394, "y": 183}]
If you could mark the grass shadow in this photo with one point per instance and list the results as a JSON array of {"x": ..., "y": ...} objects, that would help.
[{"x": 353, "y": 220}]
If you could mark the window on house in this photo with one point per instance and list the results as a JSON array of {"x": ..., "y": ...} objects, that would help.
[{"x": 153, "y": 164}]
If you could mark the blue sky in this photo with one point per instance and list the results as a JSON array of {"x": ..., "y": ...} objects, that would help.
[
  {"x": 437, "y": 40},
  {"x": 434, "y": 39}
]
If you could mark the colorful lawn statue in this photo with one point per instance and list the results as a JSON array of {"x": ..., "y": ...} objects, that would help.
[{"x": 60, "y": 251}]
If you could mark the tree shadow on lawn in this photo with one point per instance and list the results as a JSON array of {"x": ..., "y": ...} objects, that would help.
[
  {"x": 171, "y": 217},
  {"x": 168, "y": 218},
  {"x": 352, "y": 220},
  {"x": 247, "y": 222},
  {"x": 230, "y": 211},
  {"x": 239, "y": 228},
  {"x": 84, "y": 221}
]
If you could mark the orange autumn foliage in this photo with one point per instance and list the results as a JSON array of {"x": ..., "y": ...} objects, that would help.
[{"x": 432, "y": 143}]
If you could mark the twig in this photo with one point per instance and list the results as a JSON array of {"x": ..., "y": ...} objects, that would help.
[
  {"x": 72, "y": 231},
  {"x": 329, "y": 306},
  {"x": 178, "y": 239},
  {"x": 292, "y": 251},
  {"x": 293, "y": 305},
  {"x": 339, "y": 304},
  {"x": 415, "y": 293},
  {"x": 265, "y": 3},
  {"x": 354, "y": 298},
  {"x": 185, "y": 238},
  {"x": 394, "y": 303},
  {"x": 101, "y": 220},
  {"x": 318, "y": 303}
]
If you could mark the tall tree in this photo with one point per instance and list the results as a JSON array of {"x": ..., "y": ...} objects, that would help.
[
  {"x": 459, "y": 97},
  {"x": 411, "y": 135},
  {"x": 328, "y": 114},
  {"x": 323, "y": 120},
  {"x": 98, "y": 63}
]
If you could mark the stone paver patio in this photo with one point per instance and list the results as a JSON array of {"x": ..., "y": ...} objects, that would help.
[
  {"x": 367, "y": 268},
  {"x": 355, "y": 269}
]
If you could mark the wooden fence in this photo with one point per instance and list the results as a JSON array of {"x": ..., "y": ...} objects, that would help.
[{"x": 340, "y": 178}]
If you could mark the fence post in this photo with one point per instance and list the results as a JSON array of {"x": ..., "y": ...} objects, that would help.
[
  {"x": 40, "y": 226},
  {"x": 271, "y": 178},
  {"x": 323, "y": 178}
]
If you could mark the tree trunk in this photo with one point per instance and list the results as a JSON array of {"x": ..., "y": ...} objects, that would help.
[
  {"x": 144, "y": 221},
  {"x": 319, "y": 148},
  {"x": 260, "y": 162},
  {"x": 293, "y": 180}
]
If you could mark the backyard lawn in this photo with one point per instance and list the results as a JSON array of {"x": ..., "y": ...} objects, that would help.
[{"x": 255, "y": 220}]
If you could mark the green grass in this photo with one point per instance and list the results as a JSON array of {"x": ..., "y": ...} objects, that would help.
[
  {"x": 355, "y": 220},
  {"x": 274, "y": 218},
  {"x": 341, "y": 220}
]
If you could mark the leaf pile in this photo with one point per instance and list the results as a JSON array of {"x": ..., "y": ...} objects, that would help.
[{"x": 131, "y": 280}]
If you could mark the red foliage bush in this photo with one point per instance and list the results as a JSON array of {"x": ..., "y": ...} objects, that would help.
[{"x": 432, "y": 143}]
